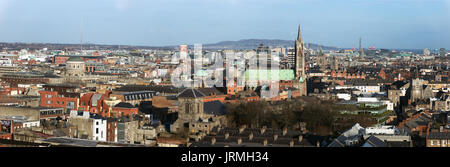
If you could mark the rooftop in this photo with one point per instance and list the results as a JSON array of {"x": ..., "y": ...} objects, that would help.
[{"x": 191, "y": 93}]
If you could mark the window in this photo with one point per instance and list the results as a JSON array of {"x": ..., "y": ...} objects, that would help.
[
  {"x": 49, "y": 102},
  {"x": 96, "y": 130},
  {"x": 49, "y": 96},
  {"x": 186, "y": 108}
]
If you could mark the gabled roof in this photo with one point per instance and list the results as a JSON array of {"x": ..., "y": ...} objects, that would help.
[
  {"x": 214, "y": 108},
  {"x": 95, "y": 98},
  {"x": 191, "y": 93},
  {"x": 352, "y": 134},
  {"x": 124, "y": 105},
  {"x": 373, "y": 141},
  {"x": 209, "y": 91}
]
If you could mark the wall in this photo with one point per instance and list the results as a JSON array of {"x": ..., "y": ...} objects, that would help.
[{"x": 30, "y": 113}]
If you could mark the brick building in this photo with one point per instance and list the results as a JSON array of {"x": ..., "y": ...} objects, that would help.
[
  {"x": 438, "y": 139},
  {"x": 60, "y": 96}
]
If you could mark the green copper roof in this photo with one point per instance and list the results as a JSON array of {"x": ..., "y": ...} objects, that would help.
[{"x": 269, "y": 75}]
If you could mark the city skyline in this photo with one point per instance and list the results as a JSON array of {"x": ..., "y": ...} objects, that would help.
[{"x": 406, "y": 24}]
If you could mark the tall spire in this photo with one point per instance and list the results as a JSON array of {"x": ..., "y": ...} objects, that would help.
[
  {"x": 361, "y": 50},
  {"x": 299, "y": 37}
]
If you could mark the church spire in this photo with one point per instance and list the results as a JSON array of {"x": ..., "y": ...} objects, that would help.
[{"x": 299, "y": 37}]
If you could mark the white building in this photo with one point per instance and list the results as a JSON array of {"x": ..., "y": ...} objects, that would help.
[
  {"x": 7, "y": 62},
  {"x": 99, "y": 129},
  {"x": 390, "y": 105},
  {"x": 367, "y": 100},
  {"x": 98, "y": 124},
  {"x": 362, "y": 88},
  {"x": 345, "y": 96},
  {"x": 381, "y": 130},
  {"x": 29, "y": 124}
]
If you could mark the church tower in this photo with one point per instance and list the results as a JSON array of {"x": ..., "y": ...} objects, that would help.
[
  {"x": 300, "y": 64},
  {"x": 361, "y": 50}
]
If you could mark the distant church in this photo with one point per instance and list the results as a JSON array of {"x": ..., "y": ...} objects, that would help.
[{"x": 300, "y": 64}]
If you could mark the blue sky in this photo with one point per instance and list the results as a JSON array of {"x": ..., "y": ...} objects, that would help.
[{"x": 382, "y": 23}]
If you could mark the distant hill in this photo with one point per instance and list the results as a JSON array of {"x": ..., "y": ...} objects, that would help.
[
  {"x": 254, "y": 43},
  {"x": 237, "y": 45}
]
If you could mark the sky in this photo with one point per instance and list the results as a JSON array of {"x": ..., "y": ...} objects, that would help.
[{"x": 407, "y": 24}]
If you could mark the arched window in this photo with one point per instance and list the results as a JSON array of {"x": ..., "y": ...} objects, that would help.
[{"x": 186, "y": 108}]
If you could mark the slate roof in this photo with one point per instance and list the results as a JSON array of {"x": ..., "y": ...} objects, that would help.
[
  {"x": 210, "y": 91},
  {"x": 124, "y": 105},
  {"x": 214, "y": 108},
  {"x": 191, "y": 93},
  {"x": 309, "y": 140},
  {"x": 373, "y": 141},
  {"x": 439, "y": 135},
  {"x": 95, "y": 98},
  {"x": 158, "y": 88},
  {"x": 398, "y": 84},
  {"x": 352, "y": 134},
  {"x": 398, "y": 144}
]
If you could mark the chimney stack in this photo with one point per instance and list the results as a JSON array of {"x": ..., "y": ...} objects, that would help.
[
  {"x": 242, "y": 128},
  {"x": 227, "y": 135},
  {"x": 263, "y": 129}
]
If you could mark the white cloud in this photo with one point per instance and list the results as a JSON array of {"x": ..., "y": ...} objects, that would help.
[{"x": 122, "y": 4}]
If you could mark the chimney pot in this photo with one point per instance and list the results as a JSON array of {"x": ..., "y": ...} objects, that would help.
[
  {"x": 242, "y": 128},
  {"x": 227, "y": 135},
  {"x": 263, "y": 130},
  {"x": 285, "y": 131},
  {"x": 213, "y": 141}
]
